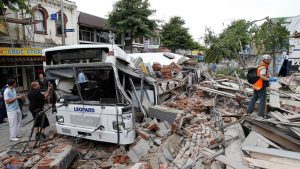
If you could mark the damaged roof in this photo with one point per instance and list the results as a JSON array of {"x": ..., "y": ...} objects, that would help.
[{"x": 88, "y": 20}]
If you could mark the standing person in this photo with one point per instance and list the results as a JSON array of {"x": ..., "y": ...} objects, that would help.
[
  {"x": 20, "y": 103},
  {"x": 43, "y": 83},
  {"x": 260, "y": 86},
  {"x": 13, "y": 110},
  {"x": 36, "y": 104}
]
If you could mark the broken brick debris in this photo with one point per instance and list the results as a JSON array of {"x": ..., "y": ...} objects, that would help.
[{"x": 59, "y": 158}]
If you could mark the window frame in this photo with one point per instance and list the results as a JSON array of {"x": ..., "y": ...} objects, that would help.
[
  {"x": 45, "y": 18},
  {"x": 65, "y": 23}
]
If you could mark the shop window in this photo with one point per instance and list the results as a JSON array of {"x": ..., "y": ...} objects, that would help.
[
  {"x": 102, "y": 37},
  {"x": 58, "y": 23},
  {"x": 40, "y": 18},
  {"x": 86, "y": 34}
]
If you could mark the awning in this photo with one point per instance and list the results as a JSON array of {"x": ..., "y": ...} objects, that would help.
[{"x": 20, "y": 59}]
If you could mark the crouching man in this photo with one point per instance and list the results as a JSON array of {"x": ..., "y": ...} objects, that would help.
[{"x": 36, "y": 104}]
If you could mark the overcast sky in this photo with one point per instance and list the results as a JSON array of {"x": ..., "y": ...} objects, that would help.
[{"x": 198, "y": 14}]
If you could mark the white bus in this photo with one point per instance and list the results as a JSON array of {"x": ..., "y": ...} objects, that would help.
[{"x": 93, "y": 87}]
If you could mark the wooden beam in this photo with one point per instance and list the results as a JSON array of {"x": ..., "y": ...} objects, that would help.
[
  {"x": 273, "y": 134},
  {"x": 255, "y": 139},
  {"x": 281, "y": 118},
  {"x": 268, "y": 164},
  {"x": 295, "y": 117},
  {"x": 273, "y": 152},
  {"x": 275, "y": 159}
]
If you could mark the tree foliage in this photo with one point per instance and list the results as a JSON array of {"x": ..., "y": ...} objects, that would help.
[
  {"x": 14, "y": 5},
  {"x": 271, "y": 38},
  {"x": 228, "y": 44},
  {"x": 175, "y": 36},
  {"x": 133, "y": 16}
]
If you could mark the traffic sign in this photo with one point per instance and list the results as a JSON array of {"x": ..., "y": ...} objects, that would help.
[
  {"x": 54, "y": 16},
  {"x": 69, "y": 30}
]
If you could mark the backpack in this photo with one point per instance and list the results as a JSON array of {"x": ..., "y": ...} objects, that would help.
[{"x": 252, "y": 75}]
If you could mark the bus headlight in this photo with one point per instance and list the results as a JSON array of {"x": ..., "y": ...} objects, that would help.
[
  {"x": 60, "y": 119},
  {"x": 115, "y": 125}
]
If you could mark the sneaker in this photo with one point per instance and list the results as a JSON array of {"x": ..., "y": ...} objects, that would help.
[
  {"x": 14, "y": 139},
  {"x": 19, "y": 136}
]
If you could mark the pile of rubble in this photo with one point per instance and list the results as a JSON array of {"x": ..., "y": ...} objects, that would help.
[
  {"x": 203, "y": 127},
  {"x": 167, "y": 71}
]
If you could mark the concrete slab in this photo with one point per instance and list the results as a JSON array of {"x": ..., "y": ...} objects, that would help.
[
  {"x": 139, "y": 150},
  {"x": 164, "y": 113},
  {"x": 59, "y": 158}
]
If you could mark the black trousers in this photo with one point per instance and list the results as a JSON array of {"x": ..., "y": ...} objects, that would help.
[{"x": 38, "y": 121}]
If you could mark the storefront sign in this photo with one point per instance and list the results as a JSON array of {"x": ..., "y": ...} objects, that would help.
[{"x": 20, "y": 52}]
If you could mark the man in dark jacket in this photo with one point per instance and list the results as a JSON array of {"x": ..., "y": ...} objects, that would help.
[
  {"x": 43, "y": 83},
  {"x": 36, "y": 104}
]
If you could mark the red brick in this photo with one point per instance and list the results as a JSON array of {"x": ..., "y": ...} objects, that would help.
[
  {"x": 163, "y": 166},
  {"x": 187, "y": 132},
  {"x": 44, "y": 148},
  {"x": 297, "y": 109},
  {"x": 7, "y": 161},
  {"x": 16, "y": 165},
  {"x": 22, "y": 158},
  {"x": 216, "y": 138},
  {"x": 144, "y": 135},
  {"x": 153, "y": 126},
  {"x": 174, "y": 127}
]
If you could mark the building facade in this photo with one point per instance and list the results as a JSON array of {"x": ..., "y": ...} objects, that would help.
[
  {"x": 23, "y": 36},
  {"x": 94, "y": 29}
]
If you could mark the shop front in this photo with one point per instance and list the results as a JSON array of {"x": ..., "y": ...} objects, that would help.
[{"x": 22, "y": 64}]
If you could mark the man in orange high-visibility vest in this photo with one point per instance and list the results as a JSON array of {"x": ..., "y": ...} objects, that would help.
[{"x": 259, "y": 87}]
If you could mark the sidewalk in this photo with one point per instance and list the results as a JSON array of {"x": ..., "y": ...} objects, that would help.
[{"x": 5, "y": 143}]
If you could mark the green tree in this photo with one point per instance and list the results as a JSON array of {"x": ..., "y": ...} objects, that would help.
[
  {"x": 271, "y": 38},
  {"x": 229, "y": 43},
  {"x": 133, "y": 16},
  {"x": 15, "y": 5},
  {"x": 196, "y": 46},
  {"x": 175, "y": 36}
]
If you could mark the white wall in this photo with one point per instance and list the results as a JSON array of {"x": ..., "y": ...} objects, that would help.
[
  {"x": 13, "y": 29},
  {"x": 53, "y": 6}
]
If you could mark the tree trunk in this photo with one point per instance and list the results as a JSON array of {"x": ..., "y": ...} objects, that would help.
[
  {"x": 274, "y": 63},
  {"x": 131, "y": 41},
  {"x": 239, "y": 58}
]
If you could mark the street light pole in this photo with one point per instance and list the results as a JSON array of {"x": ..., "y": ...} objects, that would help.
[{"x": 62, "y": 22}]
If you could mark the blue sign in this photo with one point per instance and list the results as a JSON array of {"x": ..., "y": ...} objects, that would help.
[
  {"x": 69, "y": 30},
  {"x": 54, "y": 16}
]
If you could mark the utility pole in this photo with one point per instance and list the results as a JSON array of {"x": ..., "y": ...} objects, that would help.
[{"x": 62, "y": 22}]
